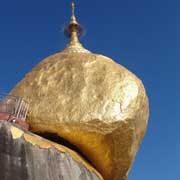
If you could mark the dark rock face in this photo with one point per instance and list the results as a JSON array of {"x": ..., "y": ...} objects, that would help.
[{"x": 21, "y": 159}]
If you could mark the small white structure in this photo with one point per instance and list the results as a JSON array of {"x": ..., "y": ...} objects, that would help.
[{"x": 13, "y": 107}]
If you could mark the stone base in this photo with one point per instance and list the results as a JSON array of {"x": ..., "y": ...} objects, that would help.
[{"x": 26, "y": 156}]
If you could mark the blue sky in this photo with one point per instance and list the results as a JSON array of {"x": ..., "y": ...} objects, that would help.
[{"x": 141, "y": 35}]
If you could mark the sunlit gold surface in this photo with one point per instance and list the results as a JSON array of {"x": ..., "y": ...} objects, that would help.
[
  {"x": 91, "y": 101},
  {"x": 16, "y": 133}
]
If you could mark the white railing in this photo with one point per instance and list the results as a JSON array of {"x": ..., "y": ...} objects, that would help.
[{"x": 13, "y": 107}]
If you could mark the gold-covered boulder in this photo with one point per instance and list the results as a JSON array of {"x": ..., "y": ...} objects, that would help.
[{"x": 92, "y": 102}]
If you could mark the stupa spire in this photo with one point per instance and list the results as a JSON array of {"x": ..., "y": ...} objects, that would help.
[
  {"x": 73, "y": 11},
  {"x": 73, "y": 31}
]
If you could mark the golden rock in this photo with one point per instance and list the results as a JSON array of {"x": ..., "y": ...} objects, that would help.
[{"x": 91, "y": 101}]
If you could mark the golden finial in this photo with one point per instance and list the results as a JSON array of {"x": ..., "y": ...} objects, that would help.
[
  {"x": 73, "y": 18},
  {"x": 74, "y": 31},
  {"x": 73, "y": 26},
  {"x": 73, "y": 7}
]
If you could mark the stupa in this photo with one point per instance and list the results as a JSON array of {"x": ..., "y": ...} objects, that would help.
[{"x": 89, "y": 100}]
